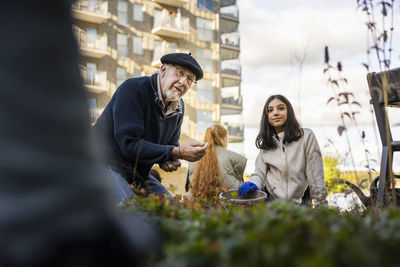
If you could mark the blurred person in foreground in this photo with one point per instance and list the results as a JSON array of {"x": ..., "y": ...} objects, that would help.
[
  {"x": 54, "y": 205},
  {"x": 142, "y": 125},
  {"x": 218, "y": 168},
  {"x": 289, "y": 160}
]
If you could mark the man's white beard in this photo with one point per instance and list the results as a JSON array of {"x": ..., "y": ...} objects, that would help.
[{"x": 171, "y": 95}]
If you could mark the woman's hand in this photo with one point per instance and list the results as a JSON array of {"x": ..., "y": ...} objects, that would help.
[{"x": 247, "y": 187}]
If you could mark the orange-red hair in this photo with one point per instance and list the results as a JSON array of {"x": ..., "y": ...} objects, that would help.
[{"x": 206, "y": 179}]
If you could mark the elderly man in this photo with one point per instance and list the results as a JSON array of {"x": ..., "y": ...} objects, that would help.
[{"x": 142, "y": 123}]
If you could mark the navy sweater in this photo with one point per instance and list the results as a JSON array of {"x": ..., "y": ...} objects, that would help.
[{"x": 136, "y": 129}]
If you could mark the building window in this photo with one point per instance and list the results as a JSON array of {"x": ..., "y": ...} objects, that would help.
[
  {"x": 137, "y": 12},
  {"x": 138, "y": 45},
  {"x": 205, "y": 91},
  {"x": 122, "y": 12},
  {"x": 137, "y": 73},
  {"x": 91, "y": 37},
  {"x": 91, "y": 70},
  {"x": 204, "y": 57},
  {"x": 121, "y": 75},
  {"x": 205, "y": 29},
  {"x": 122, "y": 45},
  {"x": 204, "y": 120},
  {"x": 205, "y": 5}
]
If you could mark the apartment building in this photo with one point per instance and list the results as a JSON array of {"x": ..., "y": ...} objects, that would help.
[{"x": 120, "y": 39}]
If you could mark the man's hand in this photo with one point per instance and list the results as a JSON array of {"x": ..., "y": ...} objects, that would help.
[
  {"x": 191, "y": 151},
  {"x": 170, "y": 166}
]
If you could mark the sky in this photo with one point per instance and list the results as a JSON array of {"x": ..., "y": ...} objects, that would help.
[{"x": 275, "y": 35}]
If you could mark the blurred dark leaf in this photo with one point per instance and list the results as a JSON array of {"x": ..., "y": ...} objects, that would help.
[
  {"x": 362, "y": 137},
  {"x": 335, "y": 83},
  {"x": 326, "y": 55},
  {"x": 385, "y": 36},
  {"x": 354, "y": 113},
  {"x": 371, "y": 25},
  {"x": 363, "y": 182},
  {"x": 346, "y": 114},
  {"x": 330, "y": 99},
  {"x": 339, "y": 66},
  {"x": 384, "y": 11},
  {"x": 346, "y": 95},
  {"x": 340, "y": 129},
  {"x": 366, "y": 65},
  {"x": 387, "y": 63}
]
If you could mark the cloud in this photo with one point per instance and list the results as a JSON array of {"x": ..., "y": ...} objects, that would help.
[
  {"x": 310, "y": 102},
  {"x": 275, "y": 36},
  {"x": 273, "y": 33}
]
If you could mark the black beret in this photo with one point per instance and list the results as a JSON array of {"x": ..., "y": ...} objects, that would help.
[{"x": 184, "y": 60}]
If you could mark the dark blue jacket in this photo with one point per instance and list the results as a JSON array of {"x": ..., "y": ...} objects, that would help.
[{"x": 134, "y": 125}]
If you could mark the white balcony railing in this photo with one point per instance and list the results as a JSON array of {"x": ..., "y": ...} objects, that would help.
[
  {"x": 170, "y": 25},
  {"x": 235, "y": 131},
  {"x": 161, "y": 50},
  {"x": 230, "y": 39},
  {"x": 91, "y": 45},
  {"x": 230, "y": 11},
  {"x": 231, "y": 67},
  {"x": 95, "y": 11},
  {"x": 232, "y": 101},
  {"x": 95, "y": 81}
]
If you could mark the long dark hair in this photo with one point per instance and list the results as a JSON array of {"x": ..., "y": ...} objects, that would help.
[{"x": 293, "y": 131}]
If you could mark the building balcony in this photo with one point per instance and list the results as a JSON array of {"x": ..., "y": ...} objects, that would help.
[
  {"x": 224, "y": 3},
  {"x": 230, "y": 12},
  {"x": 91, "y": 45},
  {"x": 231, "y": 69},
  {"x": 173, "y": 26},
  {"x": 95, "y": 11},
  {"x": 235, "y": 132},
  {"x": 161, "y": 50},
  {"x": 231, "y": 102},
  {"x": 230, "y": 40},
  {"x": 95, "y": 82},
  {"x": 175, "y": 3},
  {"x": 230, "y": 46}
]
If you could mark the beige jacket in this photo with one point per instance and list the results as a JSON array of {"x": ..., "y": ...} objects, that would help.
[
  {"x": 288, "y": 170},
  {"x": 231, "y": 166}
]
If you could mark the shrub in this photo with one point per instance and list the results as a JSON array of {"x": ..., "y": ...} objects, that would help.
[{"x": 273, "y": 234}]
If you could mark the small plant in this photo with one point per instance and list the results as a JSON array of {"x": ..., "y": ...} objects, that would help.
[{"x": 348, "y": 109}]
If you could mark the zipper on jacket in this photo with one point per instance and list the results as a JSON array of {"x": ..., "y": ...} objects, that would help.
[{"x": 286, "y": 172}]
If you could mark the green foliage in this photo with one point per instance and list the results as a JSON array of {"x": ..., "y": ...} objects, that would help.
[
  {"x": 332, "y": 175},
  {"x": 273, "y": 234}
]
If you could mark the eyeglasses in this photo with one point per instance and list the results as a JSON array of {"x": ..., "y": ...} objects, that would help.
[{"x": 180, "y": 73}]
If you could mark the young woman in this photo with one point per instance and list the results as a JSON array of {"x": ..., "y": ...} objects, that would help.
[
  {"x": 289, "y": 160},
  {"x": 219, "y": 167}
]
